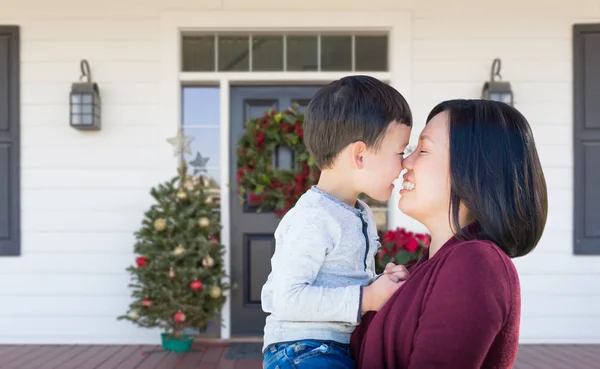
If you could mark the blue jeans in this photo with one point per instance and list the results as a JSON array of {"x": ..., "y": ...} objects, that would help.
[{"x": 308, "y": 354}]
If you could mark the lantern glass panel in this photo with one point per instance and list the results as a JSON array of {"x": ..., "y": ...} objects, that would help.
[{"x": 501, "y": 96}]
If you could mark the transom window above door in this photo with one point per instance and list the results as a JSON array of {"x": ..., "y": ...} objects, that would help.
[{"x": 289, "y": 52}]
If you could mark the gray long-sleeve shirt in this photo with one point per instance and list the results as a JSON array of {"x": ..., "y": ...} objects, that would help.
[{"x": 324, "y": 254}]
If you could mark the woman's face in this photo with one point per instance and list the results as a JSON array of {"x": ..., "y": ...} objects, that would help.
[{"x": 425, "y": 193}]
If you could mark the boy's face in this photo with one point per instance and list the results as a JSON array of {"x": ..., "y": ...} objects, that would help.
[{"x": 382, "y": 167}]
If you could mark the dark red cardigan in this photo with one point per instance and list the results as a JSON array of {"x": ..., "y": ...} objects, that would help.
[{"x": 459, "y": 309}]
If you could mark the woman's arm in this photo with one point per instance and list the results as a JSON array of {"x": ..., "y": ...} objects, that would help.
[{"x": 466, "y": 309}]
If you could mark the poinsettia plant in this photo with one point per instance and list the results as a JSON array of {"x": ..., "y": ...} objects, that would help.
[{"x": 402, "y": 247}]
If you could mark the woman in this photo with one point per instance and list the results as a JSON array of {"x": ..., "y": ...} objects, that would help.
[{"x": 476, "y": 183}]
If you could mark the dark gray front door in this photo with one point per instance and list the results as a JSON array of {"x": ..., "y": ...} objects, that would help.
[
  {"x": 252, "y": 242},
  {"x": 9, "y": 142},
  {"x": 586, "y": 67}
]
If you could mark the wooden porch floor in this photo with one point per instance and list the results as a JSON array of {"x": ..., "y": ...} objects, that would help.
[{"x": 212, "y": 356}]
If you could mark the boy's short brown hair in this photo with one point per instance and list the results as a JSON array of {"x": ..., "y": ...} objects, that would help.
[{"x": 354, "y": 108}]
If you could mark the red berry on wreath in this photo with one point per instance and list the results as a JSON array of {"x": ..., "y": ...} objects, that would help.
[
  {"x": 196, "y": 285},
  {"x": 146, "y": 302},
  {"x": 141, "y": 261}
]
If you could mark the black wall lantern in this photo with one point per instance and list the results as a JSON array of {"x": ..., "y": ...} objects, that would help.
[
  {"x": 495, "y": 89},
  {"x": 85, "y": 101}
]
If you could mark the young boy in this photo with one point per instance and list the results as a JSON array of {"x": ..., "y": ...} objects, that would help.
[{"x": 323, "y": 270}]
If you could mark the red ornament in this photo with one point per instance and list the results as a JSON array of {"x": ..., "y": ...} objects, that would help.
[
  {"x": 141, "y": 261},
  {"x": 146, "y": 302},
  {"x": 196, "y": 285},
  {"x": 179, "y": 316}
]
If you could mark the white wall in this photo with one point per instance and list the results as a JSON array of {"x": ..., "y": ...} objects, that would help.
[{"x": 84, "y": 193}]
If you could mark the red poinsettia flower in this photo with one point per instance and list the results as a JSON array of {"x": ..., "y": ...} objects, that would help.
[{"x": 412, "y": 244}]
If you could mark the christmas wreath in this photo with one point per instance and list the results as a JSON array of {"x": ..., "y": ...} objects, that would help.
[{"x": 263, "y": 185}]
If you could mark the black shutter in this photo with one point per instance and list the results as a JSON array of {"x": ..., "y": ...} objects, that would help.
[
  {"x": 586, "y": 135},
  {"x": 10, "y": 191}
]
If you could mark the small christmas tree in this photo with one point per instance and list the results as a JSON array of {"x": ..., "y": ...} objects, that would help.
[{"x": 177, "y": 281}]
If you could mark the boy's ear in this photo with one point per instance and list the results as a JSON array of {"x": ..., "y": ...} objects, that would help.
[{"x": 358, "y": 150}]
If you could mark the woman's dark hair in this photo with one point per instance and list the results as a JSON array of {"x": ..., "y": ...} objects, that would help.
[{"x": 495, "y": 173}]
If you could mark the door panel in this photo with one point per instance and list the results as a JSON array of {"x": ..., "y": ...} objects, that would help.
[{"x": 252, "y": 242}]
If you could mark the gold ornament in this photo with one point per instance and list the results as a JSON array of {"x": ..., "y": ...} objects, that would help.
[
  {"x": 190, "y": 183},
  {"x": 133, "y": 314},
  {"x": 182, "y": 195},
  {"x": 208, "y": 262},
  {"x": 179, "y": 250},
  {"x": 171, "y": 273},
  {"x": 208, "y": 200},
  {"x": 204, "y": 222},
  {"x": 215, "y": 292},
  {"x": 160, "y": 224}
]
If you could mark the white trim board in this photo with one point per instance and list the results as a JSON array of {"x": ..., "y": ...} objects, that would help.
[{"x": 172, "y": 24}]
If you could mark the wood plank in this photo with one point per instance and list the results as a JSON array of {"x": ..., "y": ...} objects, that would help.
[
  {"x": 30, "y": 354},
  {"x": 6, "y": 350},
  {"x": 248, "y": 364},
  {"x": 576, "y": 354},
  {"x": 212, "y": 356},
  {"x": 82, "y": 357},
  {"x": 557, "y": 358},
  {"x": 592, "y": 351},
  {"x": 225, "y": 363},
  {"x": 119, "y": 357},
  {"x": 192, "y": 359},
  {"x": 154, "y": 359},
  {"x": 56, "y": 354},
  {"x": 134, "y": 359},
  {"x": 16, "y": 354}
]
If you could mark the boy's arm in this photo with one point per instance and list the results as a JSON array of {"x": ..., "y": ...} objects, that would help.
[{"x": 299, "y": 255}]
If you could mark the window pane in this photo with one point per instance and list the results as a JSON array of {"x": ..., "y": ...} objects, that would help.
[
  {"x": 207, "y": 143},
  {"x": 201, "y": 106},
  {"x": 198, "y": 53},
  {"x": 371, "y": 53},
  {"x": 336, "y": 53},
  {"x": 267, "y": 53},
  {"x": 234, "y": 53},
  {"x": 302, "y": 53}
]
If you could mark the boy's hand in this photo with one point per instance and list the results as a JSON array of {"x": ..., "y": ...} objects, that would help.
[
  {"x": 396, "y": 272},
  {"x": 377, "y": 293}
]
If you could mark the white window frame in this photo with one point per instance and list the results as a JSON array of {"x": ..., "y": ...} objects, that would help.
[{"x": 398, "y": 24}]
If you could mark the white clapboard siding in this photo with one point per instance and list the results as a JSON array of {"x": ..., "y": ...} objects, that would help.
[{"x": 84, "y": 193}]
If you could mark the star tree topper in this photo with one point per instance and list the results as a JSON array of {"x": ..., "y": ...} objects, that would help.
[
  {"x": 199, "y": 163},
  {"x": 181, "y": 144}
]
